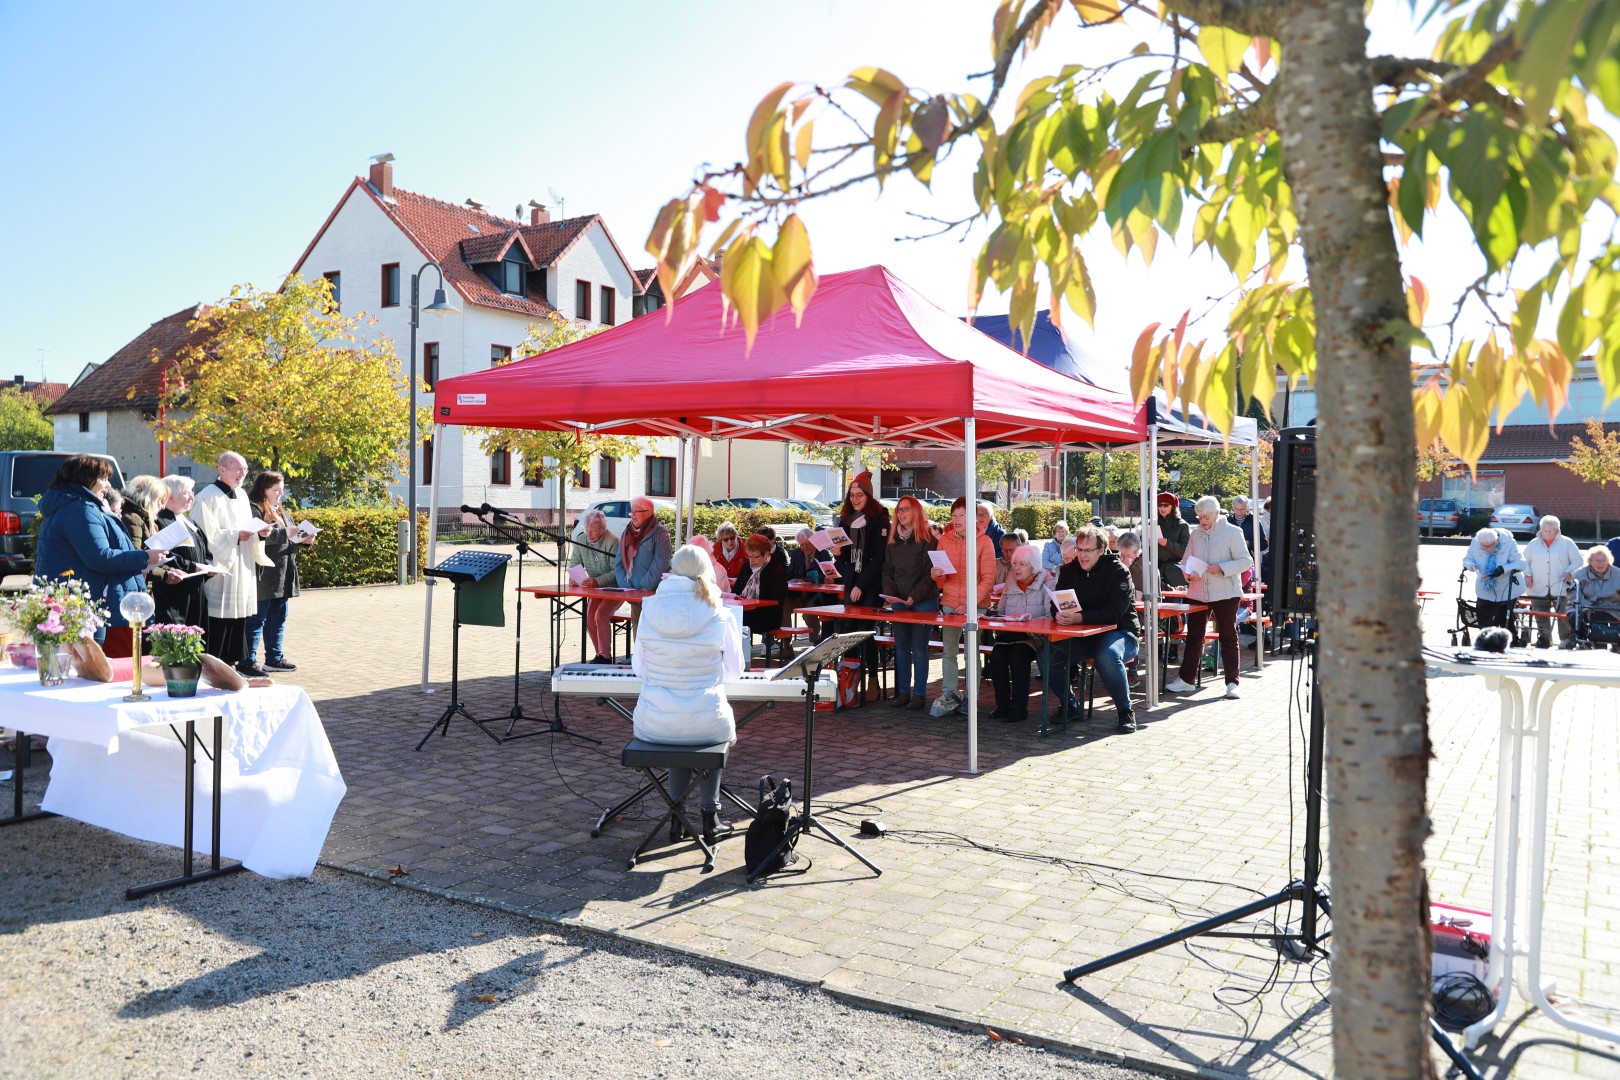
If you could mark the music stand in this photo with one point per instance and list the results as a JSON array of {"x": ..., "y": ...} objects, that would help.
[
  {"x": 808, "y": 665},
  {"x": 465, "y": 568}
]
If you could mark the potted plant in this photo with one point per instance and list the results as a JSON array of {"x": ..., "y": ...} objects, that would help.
[
  {"x": 55, "y": 614},
  {"x": 179, "y": 649}
]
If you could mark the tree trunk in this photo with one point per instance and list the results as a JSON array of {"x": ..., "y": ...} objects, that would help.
[{"x": 1370, "y": 667}]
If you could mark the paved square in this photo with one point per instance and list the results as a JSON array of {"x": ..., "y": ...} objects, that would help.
[{"x": 1060, "y": 851}]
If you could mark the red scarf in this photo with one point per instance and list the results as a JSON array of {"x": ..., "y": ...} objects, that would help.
[{"x": 632, "y": 539}]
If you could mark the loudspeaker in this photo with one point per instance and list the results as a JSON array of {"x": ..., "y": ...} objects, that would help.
[{"x": 1292, "y": 586}]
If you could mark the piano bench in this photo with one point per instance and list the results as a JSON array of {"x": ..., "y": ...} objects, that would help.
[
  {"x": 647, "y": 757},
  {"x": 619, "y": 625}
]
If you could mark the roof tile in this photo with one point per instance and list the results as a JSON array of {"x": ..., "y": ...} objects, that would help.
[{"x": 130, "y": 378}]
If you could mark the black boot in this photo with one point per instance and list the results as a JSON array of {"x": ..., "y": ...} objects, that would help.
[
  {"x": 677, "y": 831},
  {"x": 714, "y": 828}
]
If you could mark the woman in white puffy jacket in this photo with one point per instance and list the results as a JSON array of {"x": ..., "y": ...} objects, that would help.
[
  {"x": 687, "y": 646},
  {"x": 1551, "y": 559}
]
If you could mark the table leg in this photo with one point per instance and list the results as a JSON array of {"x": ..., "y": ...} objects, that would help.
[
  {"x": 187, "y": 876},
  {"x": 1499, "y": 971},
  {"x": 1537, "y": 991},
  {"x": 19, "y": 767}
]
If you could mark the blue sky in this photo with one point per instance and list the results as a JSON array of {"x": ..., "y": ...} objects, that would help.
[{"x": 159, "y": 154}]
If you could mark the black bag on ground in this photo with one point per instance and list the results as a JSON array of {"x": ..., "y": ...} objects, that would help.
[{"x": 770, "y": 825}]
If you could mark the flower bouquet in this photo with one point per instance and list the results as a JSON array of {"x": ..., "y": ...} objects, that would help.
[
  {"x": 55, "y": 614},
  {"x": 179, "y": 649}
]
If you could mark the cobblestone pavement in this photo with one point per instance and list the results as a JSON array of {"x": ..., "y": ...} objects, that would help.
[{"x": 1059, "y": 851}]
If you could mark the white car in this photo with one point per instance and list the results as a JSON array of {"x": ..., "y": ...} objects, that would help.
[
  {"x": 617, "y": 512},
  {"x": 1520, "y": 519}
]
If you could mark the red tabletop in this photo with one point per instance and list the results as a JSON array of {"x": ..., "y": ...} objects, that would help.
[
  {"x": 1042, "y": 627},
  {"x": 830, "y": 588},
  {"x": 629, "y": 596}
]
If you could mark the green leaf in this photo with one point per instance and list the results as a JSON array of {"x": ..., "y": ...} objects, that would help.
[
  {"x": 1414, "y": 183},
  {"x": 1548, "y": 43},
  {"x": 1223, "y": 50}
]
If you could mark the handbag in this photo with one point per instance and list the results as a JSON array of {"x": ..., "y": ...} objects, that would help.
[{"x": 769, "y": 827}]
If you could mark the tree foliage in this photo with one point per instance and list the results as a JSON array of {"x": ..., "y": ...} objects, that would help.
[
  {"x": 23, "y": 425},
  {"x": 552, "y": 453},
  {"x": 1007, "y": 467},
  {"x": 1262, "y": 130},
  {"x": 1597, "y": 461},
  {"x": 843, "y": 458},
  {"x": 292, "y": 384}
]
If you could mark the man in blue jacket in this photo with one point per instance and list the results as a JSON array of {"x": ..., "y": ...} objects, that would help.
[{"x": 644, "y": 553}]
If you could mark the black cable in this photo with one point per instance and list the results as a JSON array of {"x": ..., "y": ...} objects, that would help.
[{"x": 1461, "y": 999}]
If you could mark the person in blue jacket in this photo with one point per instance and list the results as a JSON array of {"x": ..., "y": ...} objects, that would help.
[
  {"x": 644, "y": 553},
  {"x": 78, "y": 534}
]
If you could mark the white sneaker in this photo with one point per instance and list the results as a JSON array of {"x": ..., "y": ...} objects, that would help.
[
  {"x": 1177, "y": 686},
  {"x": 1232, "y": 690}
]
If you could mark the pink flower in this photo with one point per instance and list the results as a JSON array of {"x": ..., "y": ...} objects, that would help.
[{"x": 53, "y": 624}]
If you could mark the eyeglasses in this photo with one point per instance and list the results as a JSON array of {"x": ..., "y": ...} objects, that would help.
[{"x": 1088, "y": 550}]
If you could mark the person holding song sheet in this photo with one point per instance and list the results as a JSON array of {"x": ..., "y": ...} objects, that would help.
[
  {"x": 278, "y": 582},
  {"x": 79, "y": 538},
  {"x": 177, "y": 585},
  {"x": 1024, "y": 597},
  {"x": 224, "y": 515},
  {"x": 908, "y": 585},
  {"x": 858, "y": 560},
  {"x": 950, "y": 574},
  {"x": 1102, "y": 587},
  {"x": 1214, "y": 562},
  {"x": 688, "y": 647},
  {"x": 595, "y": 549}
]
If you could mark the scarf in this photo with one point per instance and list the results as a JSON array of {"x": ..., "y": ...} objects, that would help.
[
  {"x": 632, "y": 539},
  {"x": 751, "y": 589},
  {"x": 729, "y": 551}
]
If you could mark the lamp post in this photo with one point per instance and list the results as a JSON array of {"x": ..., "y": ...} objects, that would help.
[{"x": 440, "y": 307}]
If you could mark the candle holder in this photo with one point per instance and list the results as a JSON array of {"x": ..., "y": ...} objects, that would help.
[{"x": 137, "y": 607}]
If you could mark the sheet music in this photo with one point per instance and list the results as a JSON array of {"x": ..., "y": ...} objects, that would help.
[{"x": 173, "y": 535}]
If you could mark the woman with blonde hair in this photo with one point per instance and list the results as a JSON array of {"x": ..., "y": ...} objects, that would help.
[
  {"x": 688, "y": 645},
  {"x": 911, "y": 587}
]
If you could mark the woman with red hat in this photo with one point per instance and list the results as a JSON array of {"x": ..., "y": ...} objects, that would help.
[
  {"x": 1172, "y": 541},
  {"x": 860, "y": 562}
]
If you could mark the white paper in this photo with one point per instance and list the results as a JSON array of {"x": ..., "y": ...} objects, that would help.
[
  {"x": 892, "y": 599},
  {"x": 204, "y": 568},
  {"x": 1064, "y": 600},
  {"x": 307, "y": 528},
  {"x": 824, "y": 539},
  {"x": 578, "y": 575},
  {"x": 173, "y": 535},
  {"x": 1193, "y": 566},
  {"x": 828, "y": 570},
  {"x": 255, "y": 525},
  {"x": 942, "y": 561}
]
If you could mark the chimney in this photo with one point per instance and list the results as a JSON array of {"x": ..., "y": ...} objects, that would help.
[
  {"x": 538, "y": 214},
  {"x": 18, "y": 380},
  {"x": 382, "y": 175}
]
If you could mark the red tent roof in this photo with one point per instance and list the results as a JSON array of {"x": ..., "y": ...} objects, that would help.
[{"x": 873, "y": 362}]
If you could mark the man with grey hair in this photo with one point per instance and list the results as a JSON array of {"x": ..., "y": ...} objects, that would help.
[
  {"x": 1244, "y": 520},
  {"x": 1551, "y": 559},
  {"x": 1052, "y": 553},
  {"x": 594, "y": 551},
  {"x": 224, "y": 516},
  {"x": 989, "y": 525}
]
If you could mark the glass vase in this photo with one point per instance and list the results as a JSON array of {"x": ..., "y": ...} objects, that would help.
[{"x": 54, "y": 660}]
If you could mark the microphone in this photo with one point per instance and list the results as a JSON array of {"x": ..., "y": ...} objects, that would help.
[
  {"x": 474, "y": 510},
  {"x": 498, "y": 512}
]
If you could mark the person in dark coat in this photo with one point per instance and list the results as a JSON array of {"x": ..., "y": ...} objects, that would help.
[
  {"x": 1173, "y": 533},
  {"x": 860, "y": 562},
  {"x": 990, "y": 526},
  {"x": 907, "y": 578},
  {"x": 278, "y": 582},
  {"x": 1102, "y": 584},
  {"x": 763, "y": 577},
  {"x": 79, "y": 538},
  {"x": 180, "y": 598}
]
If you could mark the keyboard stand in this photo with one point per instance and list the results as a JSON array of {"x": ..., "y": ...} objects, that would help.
[{"x": 635, "y": 797}]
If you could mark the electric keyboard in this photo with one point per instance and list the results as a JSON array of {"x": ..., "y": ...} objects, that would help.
[{"x": 618, "y": 680}]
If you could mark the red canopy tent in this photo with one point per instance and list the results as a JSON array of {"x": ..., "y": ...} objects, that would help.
[{"x": 873, "y": 362}]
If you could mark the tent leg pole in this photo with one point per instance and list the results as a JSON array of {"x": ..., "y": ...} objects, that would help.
[
  {"x": 1254, "y": 516},
  {"x": 432, "y": 552},
  {"x": 970, "y": 632},
  {"x": 1149, "y": 455},
  {"x": 681, "y": 528}
]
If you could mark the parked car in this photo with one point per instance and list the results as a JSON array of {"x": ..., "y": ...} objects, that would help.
[
  {"x": 24, "y": 476},
  {"x": 753, "y": 502},
  {"x": 1440, "y": 517},
  {"x": 1520, "y": 519},
  {"x": 617, "y": 512},
  {"x": 822, "y": 514}
]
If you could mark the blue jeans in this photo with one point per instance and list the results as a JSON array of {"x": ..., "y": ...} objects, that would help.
[
  {"x": 911, "y": 652},
  {"x": 1110, "y": 652},
  {"x": 271, "y": 622}
]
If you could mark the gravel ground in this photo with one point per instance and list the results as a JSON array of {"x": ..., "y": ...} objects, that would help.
[{"x": 339, "y": 976}]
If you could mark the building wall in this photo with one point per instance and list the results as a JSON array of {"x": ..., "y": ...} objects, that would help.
[
  {"x": 70, "y": 440},
  {"x": 125, "y": 435},
  {"x": 359, "y": 242}
]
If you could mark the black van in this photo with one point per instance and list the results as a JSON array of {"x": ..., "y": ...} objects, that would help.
[{"x": 24, "y": 476}]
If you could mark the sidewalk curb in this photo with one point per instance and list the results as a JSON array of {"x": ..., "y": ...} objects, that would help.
[{"x": 941, "y": 1018}]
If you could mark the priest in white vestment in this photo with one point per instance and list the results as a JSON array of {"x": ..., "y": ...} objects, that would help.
[{"x": 222, "y": 513}]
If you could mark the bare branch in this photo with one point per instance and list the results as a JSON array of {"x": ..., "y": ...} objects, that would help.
[{"x": 944, "y": 226}]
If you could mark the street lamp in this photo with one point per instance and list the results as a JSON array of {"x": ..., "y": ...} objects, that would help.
[{"x": 440, "y": 307}]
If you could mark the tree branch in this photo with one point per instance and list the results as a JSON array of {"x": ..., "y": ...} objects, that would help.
[{"x": 1257, "y": 18}]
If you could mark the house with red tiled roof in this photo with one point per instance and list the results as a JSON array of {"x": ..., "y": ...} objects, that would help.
[
  {"x": 1521, "y": 463},
  {"x": 502, "y": 274},
  {"x": 43, "y": 392},
  {"x": 112, "y": 407}
]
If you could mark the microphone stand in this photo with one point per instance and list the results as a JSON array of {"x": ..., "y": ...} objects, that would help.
[{"x": 518, "y": 532}]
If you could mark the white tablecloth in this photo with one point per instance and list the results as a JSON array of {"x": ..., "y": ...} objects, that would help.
[{"x": 116, "y": 764}]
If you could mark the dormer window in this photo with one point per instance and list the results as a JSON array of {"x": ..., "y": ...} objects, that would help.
[{"x": 511, "y": 277}]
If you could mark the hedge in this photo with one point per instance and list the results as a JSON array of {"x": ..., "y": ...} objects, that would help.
[
  {"x": 1037, "y": 518},
  {"x": 356, "y": 546}
]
